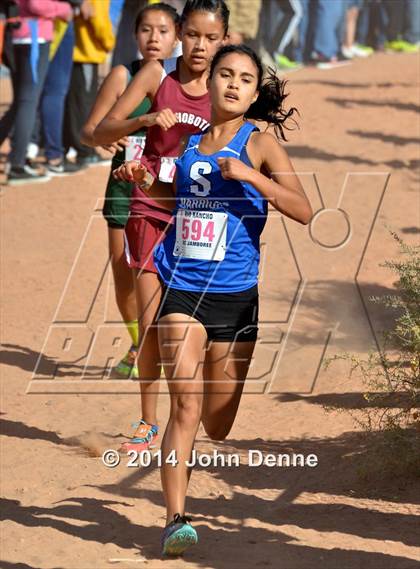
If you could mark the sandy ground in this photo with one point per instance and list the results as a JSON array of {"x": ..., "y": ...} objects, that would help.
[{"x": 358, "y": 156}]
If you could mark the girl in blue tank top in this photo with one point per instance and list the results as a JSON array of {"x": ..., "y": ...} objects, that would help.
[
  {"x": 208, "y": 263},
  {"x": 214, "y": 246}
]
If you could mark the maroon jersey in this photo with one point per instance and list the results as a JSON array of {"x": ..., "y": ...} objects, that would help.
[{"x": 162, "y": 148}]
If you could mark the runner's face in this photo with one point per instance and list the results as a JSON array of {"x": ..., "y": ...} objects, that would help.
[
  {"x": 233, "y": 86},
  {"x": 202, "y": 34},
  {"x": 156, "y": 35}
]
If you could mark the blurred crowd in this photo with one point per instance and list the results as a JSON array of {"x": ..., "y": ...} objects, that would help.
[
  {"x": 53, "y": 50},
  {"x": 291, "y": 33}
]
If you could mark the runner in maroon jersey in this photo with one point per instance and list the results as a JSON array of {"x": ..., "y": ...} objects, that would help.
[
  {"x": 156, "y": 36},
  {"x": 181, "y": 106},
  {"x": 192, "y": 113}
]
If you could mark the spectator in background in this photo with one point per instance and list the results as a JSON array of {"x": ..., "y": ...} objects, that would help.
[
  {"x": 9, "y": 19},
  {"x": 371, "y": 24},
  {"x": 243, "y": 20},
  {"x": 350, "y": 48},
  {"x": 52, "y": 104},
  {"x": 328, "y": 19},
  {"x": 126, "y": 49},
  {"x": 31, "y": 45},
  {"x": 247, "y": 24},
  {"x": 115, "y": 9},
  {"x": 94, "y": 40},
  {"x": 303, "y": 46},
  {"x": 403, "y": 30},
  {"x": 280, "y": 21}
]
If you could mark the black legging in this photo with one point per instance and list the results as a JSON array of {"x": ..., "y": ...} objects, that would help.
[
  {"x": 26, "y": 93},
  {"x": 80, "y": 99}
]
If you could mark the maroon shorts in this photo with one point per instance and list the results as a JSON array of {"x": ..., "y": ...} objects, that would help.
[{"x": 142, "y": 235}]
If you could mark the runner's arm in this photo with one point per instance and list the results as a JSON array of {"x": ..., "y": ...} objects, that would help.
[
  {"x": 134, "y": 171},
  {"x": 115, "y": 124}
]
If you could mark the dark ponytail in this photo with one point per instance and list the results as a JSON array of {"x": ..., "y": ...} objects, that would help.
[{"x": 269, "y": 105}]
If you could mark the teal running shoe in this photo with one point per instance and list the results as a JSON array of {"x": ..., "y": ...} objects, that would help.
[{"x": 178, "y": 536}]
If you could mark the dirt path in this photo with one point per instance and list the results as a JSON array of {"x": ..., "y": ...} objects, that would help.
[{"x": 357, "y": 150}]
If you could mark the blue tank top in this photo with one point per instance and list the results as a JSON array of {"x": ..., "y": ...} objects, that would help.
[{"x": 214, "y": 246}]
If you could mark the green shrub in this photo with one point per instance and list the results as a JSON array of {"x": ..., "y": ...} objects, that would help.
[{"x": 392, "y": 377}]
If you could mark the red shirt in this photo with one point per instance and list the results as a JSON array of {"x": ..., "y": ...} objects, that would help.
[{"x": 193, "y": 115}]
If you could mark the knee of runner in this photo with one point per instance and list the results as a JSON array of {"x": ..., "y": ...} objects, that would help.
[{"x": 187, "y": 409}]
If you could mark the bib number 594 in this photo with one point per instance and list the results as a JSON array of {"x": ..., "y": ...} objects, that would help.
[{"x": 196, "y": 229}]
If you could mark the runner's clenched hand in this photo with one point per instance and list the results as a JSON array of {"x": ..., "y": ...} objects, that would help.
[
  {"x": 165, "y": 118},
  {"x": 131, "y": 171},
  {"x": 234, "y": 169}
]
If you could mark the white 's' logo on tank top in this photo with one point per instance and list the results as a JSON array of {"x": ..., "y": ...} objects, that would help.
[{"x": 195, "y": 120}]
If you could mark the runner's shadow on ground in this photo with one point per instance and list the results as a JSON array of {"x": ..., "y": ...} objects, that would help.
[
  {"x": 20, "y": 430},
  {"x": 103, "y": 524},
  {"x": 387, "y": 138},
  {"x": 397, "y": 105},
  {"x": 229, "y": 543},
  {"x": 10, "y": 565},
  {"x": 306, "y": 152},
  {"x": 347, "y": 85},
  {"x": 248, "y": 546},
  {"x": 327, "y": 499},
  {"x": 312, "y": 153},
  {"x": 77, "y": 444},
  {"x": 339, "y": 470},
  {"x": 410, "y": 230},
  {"x": 350, "y": 400},
  {"x": 300, "y": 500},
  {"x": 27, "y": 359}
]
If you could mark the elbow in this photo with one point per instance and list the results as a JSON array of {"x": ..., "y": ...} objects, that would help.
[
  {"x": 86, "y": 137},
  {"x": 98, "y": 135},
  {"x": 306, "y": 215},
  {"x": 101, "y": 134}
]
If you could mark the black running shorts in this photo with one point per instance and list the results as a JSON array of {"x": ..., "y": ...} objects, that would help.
[{"x": 227, "y": 317}]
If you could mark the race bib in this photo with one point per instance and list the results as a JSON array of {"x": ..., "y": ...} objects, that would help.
[
  {"x": 201, "y": 235},
  {"x": 135, "y": 147},
  {"x": 167, "y": 169}
]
